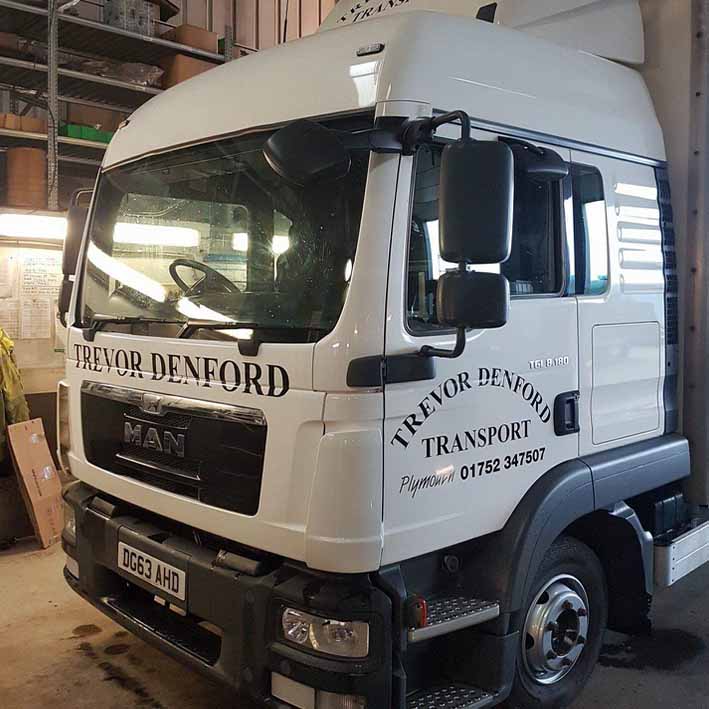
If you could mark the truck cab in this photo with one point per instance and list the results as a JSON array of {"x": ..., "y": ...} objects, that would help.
[{"x": 371, "y": 388}]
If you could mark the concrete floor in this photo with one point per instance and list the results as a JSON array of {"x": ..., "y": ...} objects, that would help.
[{"x": 56, "y": 651}]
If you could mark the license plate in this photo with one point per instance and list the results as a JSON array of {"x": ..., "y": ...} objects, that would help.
[{"x": 161, "y": 576}]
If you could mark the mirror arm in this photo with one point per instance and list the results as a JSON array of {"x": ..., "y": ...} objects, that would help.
[
  {"x": 458, "y": 350},
  {"x": 385, "y": 137},
  {"x": 452, "y": 117},
  {"x": 419, "y": 131}
]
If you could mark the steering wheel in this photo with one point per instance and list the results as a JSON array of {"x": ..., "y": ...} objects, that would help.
[{"x": 217, "y": 281}]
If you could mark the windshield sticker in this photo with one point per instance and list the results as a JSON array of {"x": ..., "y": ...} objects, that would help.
[
  {"x": 365, "y": 9},
  {"x": 246, "y": 377},
  {"x": 451, "y": 388}
]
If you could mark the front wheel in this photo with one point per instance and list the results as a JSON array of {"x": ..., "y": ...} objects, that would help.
[{"x": 564, "y": 621}]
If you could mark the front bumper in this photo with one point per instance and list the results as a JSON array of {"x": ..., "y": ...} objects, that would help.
[{"x": 228, "y": 625}]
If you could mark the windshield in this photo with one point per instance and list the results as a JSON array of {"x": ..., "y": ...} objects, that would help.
[{"x": 211, "y": 233}]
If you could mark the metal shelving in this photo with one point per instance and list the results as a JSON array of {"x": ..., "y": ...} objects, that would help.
[
  {"x": 52, "y": 83},
  {"x": 85, "y": 36},
  {"x": 74, "y": 150},
  {"x": 78, "y": 34},
  {"x": 86, "y": 88}
]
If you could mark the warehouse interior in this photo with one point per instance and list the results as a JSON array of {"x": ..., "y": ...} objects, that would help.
[
  {"x": 104, "y": 63},
  {"x": 102, "y": 342}
]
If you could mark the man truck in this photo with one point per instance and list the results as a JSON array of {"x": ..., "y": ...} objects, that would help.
[{"x": 386, "y": 354}]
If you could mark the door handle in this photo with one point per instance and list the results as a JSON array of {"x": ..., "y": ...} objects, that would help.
[{"x": 566, "y": 413}]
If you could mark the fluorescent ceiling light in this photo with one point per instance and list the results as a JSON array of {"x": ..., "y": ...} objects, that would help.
[
  {"x": 240, "y": 241},
  {"x": 32, "y": 226},
  {"x": 280, "y": 244},
  {"x": 126, "y": 275},
  {"x": 155, "y": 235}
]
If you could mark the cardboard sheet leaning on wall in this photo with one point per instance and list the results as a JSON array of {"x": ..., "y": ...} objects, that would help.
[
  {"x": 13, "y": 407},
  {"x": 38, "y": 479}
]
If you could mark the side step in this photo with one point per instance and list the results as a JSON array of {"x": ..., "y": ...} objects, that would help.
[
  {"x": 678, "y": 557},
  {"x": 446, "y": 614},
  {"x": 453, "y": 696}
]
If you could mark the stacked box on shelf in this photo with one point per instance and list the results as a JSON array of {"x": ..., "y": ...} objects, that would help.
[
  {"x": 180, "y": 67},
  {"x": 133, "y": 15}
]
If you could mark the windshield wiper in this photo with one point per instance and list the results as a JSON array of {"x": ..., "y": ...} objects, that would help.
[
  {"x": 98, "y": 322},
  {"x": 247, "y": 347}
]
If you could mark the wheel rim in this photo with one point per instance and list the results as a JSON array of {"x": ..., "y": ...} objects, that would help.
[{"x": 556, "y": 630}]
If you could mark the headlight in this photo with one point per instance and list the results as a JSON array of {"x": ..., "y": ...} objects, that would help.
[
  {"x": 328, "y": 700},
  {"x": 63, "y": 426},
  {"x": 332, "y": 637},
  {"x": 69, "y": 532}
]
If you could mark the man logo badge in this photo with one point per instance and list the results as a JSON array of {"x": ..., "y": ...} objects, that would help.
[{"x": 149, "y": 437}]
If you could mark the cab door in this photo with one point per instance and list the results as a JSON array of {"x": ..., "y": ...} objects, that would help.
[{"x": 462, "y": 448}]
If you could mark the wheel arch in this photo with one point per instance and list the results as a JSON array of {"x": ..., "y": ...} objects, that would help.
[
  {"x": 625, "y": 551},
  {"x": 503, "y": 567},
  {"x": 570, "y": 498}
]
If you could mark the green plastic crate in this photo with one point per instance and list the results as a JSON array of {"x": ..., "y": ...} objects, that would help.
[{"x": 73, "y": 130}]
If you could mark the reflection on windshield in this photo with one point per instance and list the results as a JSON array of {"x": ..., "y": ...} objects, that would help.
[
  {"x": 126, "y": 275},
  {"x": 212, "y": 233}
]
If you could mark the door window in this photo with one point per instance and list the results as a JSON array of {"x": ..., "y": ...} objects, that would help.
[
  {"x": 590, "y": 233},
  {"x": 534, "y": 266}
]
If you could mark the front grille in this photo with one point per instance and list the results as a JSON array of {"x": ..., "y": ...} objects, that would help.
[{"x": 214, "y": 457}]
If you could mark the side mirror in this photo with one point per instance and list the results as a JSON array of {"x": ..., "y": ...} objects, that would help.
[
  {"x": 76, "y": 222},
  {"x": 476, "y": 205},
  {"x": 476, "y": 202},
  {"x": 470, "y": 299},
  {"x": 305, "y": 152},
  {"x": 64, "y": 299}
]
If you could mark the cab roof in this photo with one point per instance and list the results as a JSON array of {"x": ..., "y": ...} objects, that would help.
[{"x": 498, "y": 75}]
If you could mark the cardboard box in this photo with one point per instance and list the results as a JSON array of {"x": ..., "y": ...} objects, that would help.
[
  {"x": 179, "y": 68},
  {"x": 12, "y": 122},
  {"x": 33, "y": 125},
  {"x": 193, "y": 37},
  {"x": 100, "y": 118},
  {"x": 38, "y": 479},
  {"x": 26, "y": 178},
  {"x": 10, "y": 45}
]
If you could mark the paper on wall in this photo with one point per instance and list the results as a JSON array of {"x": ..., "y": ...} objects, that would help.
[
  {"x": 36, "y": 321},
  {"x": 8, "y": 276},
  {"x": 10, "y": 317},
  {"x": 41, "y": 275}
]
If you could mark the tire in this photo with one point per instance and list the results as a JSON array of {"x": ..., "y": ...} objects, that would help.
[{"x": 571, "y": 571}]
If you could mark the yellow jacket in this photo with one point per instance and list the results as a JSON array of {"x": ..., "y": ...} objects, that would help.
[{"x": 13, "y": 405}]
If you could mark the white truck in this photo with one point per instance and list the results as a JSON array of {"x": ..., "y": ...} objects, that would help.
[{"x": 374, "y": 390}]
